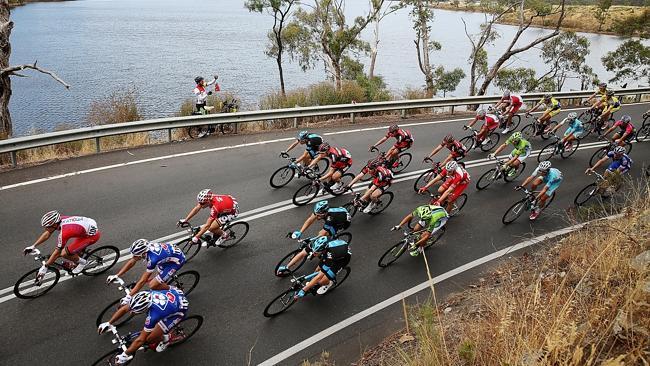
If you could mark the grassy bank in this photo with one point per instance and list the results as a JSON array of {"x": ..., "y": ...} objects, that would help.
[{"x": 580, "y": 300}]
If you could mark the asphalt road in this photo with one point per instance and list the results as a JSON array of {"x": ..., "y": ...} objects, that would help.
[{"x": 146, "y": 200}]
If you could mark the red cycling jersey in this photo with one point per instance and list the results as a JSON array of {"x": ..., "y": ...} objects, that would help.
[
  {"x": 223, "y": 205},
  {"x": 382, "y": 177},
  {"x": 403, "y": 137},
  {"x": 460, "y": 176},
  {"x": 629, "y": 128},
  {"x": 82, "y": 229},
  {"x": 340, "y": 158},
  {"x": 491, "y": 122},
  {"x": 457, "y": 149}
]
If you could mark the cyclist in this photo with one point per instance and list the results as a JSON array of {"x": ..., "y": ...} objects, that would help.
[
  {"x": 201, "y": 93},
  {"x": 165, "y": 309},
  {"x": 517, "y": 156},
  {"x": 626, "y": 130},
  {"x": 333, "y": 256},
  {"x": 573, "y": 132},
  {"x": 553, "y": 107},
  {"x": 223, "y": 209},
  {"x": 457, "y": 150},
  {"x": 382, "y": 178},
  {"x": 430, "y": 218},
  {"x": 166, "y": 258},
  {"x": 491, "y": 123},
  {"x": 312, "y": 142},
  {"x": 611, "y": 105},
  {"x": 621, "y": 162},
  {"x": 600, "y": 93},
  {"x": 550, "y": 177},
  {"x": 404, "y": 142},
  {"x": 340, "y": 162},
  {"x": 336, "y": 219},
  {"x": 510, "y": 104},
  {"x": 456, "y": 180},
  {"x": 83, "y": 230}
]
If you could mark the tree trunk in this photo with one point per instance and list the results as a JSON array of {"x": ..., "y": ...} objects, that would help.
[
  {"x": 6, "y": 25},
  {"x": 374, "y": 50},
  {"x": 280, "y": 71},
  {"x": 337, "y": 75}
]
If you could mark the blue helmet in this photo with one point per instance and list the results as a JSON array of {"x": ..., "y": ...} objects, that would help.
[
  {"x": 319, "y": 244},
  {"x": 321, "y": 207},
  {"x": 302, "y": 135}
]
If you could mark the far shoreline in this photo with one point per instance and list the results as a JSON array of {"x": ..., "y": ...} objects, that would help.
[{"x": 13, "y": 4}]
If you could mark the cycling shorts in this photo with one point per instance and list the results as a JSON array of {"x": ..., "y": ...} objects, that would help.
[
  {"x": 382, "y": 186},
  {"x": 521, "y": 157},
  {"x": 460, "y": 187},
  {"x": 226, "y": 218},
  {"x": 166, "y": 271},
  {"x": 553, "y": 112},
  {"x": 402, "y": 146},
  {"x": 515, "y": 107},
  {"x": 171, "y": 321},
  {"x": 338, "y": 264},
  {"x": 552, "y": 186},
  {"x": 628, "y": 137},
  {"x": 577, "y": 132},
  {"x": 79, "y": 244},
  {"x": 491, "y": 126},
  {"x": 341, "y": 167},
  {"x": 616, "y": 165}
]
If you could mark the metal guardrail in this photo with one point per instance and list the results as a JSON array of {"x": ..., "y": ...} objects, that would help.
[{"x": 13, "y": 145}]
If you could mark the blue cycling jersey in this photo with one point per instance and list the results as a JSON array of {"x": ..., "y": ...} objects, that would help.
[
  {"x": 576, "y": 124},
  {"x": 624, "y": 161},
  {"x": 163, "y": 254},
  {"x": 165, "y": 304},
  {"x": 553, "y": 176}
]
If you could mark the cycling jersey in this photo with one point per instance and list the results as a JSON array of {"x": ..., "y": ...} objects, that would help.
[
  {"x": 460, "y": 176},
  {"x": 552, "y": 179},
  {"x": 168, "y": 308},
  {"x": 201, "y": 93},
  {"x": 429, "y": 216},
  {"x": 223, "y": 206},
  {"x": 403, "y": 137},
  {"x": 340, "y": 158},
  {"x": 625, "y": 128},
  {"x": 623, "y": 164},
  {"x": 613, "y": 102},
  {"x": 575, "y": 127},
  {"x": 553, "y": 105},
  {"x": 83, "y": 230},
  {"x": 457, "y": 149},
  {"x": 382, "y": 177},
  {"x": 313, "y": 143},
  {"x": 166, "y": 258},
  {"x": 336, "y": 219},
  {"x": 521, "y": 148},
  {"x": 336, "y": 256},
  {"x": 491, "y": 121}
]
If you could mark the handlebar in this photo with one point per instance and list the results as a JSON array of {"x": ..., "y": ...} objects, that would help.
[
  {"x": 374, "y": 149},
  {"x": 284, "y": 155}
]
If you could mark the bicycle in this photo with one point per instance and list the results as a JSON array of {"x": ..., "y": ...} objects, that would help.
[
  {"x": 398, "y": 164},
  {"x": 602, "y": 187},
  {"x": 514, "y": 123},
  {"x": 471, "y": 141},
  {"x": 525, "y": 204},
  {"x": 302, "y": 244},
  {"x": 535, "y": 128},
  {"x": 497, "y": 172},
  {"x": 287, "y": 298},
  {"x": 393, "y": 253},
  {"x": 643, "y": 134},
  {"x": 594, "y": 123},
  {"x": 184, "y": 281},
  {"x": 284, "y": 175},
  {"x": 602, "y": 152},
  {"x": 228, "y": 106},
  {"x": 431, "y": 173},
  {"x": 183, "y": 331},
  {"x": 456, "y": 207},
  {"x": 234, "y": 231},
  {"x": 309, "y": 191},
  {"x": 383, "y": 201},
  {"x": 556, "y": 147},
  {"x": 31, "y": 286}
]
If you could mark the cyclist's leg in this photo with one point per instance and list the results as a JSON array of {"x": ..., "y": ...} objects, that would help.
[
  {"x": 215, "y": 228},
  {"x": 72, "y": 250},
  {"x": 160, "y": 282},
  {"x": 297, "y": 258},
  {"x": 549, "y": 192},
  {"x": 366, "y": 196},
  {"x": 336, "y": 176},
  {"x": 305, "y": 158},
  {"x": 376, "y": 192},
  {"x": 482, "y": 134}
]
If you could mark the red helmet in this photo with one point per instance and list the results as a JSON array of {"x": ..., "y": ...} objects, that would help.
[
  {"x": 324, "y": 147},
  {"x": 448, "y": 139}
]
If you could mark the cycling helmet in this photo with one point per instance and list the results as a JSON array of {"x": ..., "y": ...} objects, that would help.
[
  {"x": 573, "y": 115},
  {"x": 610, "y": 93},
  {"x": 302, "y": 135},
  {"x": 393, "y": 128},
  {"x": 204, "y": 196},
  {"x": 516, "y": 135},
  {"x": 547, "y": 96},
  {"x": 481, "y": 113},
  {"x": 626, "y": 119},
  {"x": 321, "y": 207},
  {"x": 324, "y": 147},
  {"x": 373, "y": 163},
  {"x": 618, "y": 150},
  {"x": 451, "y": 166},
  {"x": 50, "y": 219},
  {"x": 140, "y": 302},
  {"x": 448, "y": 139},
  {"x": 602, "y": 85},
  {"x": 319, "y": 244},
  {"x": 544, "y": 165},
  {"x": 139, "y": 247},
  {"x": 506, "y": 94},
  {"x": 198, "y": 79}
]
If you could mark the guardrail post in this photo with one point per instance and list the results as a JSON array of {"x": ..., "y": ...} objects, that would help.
[
  {"x": 638, "y": 98},
  {"x": 169, "y": 135},
  {"x": 452, "y": 109},
  {"x": 403, "y": 114},
  {"x": 14, "y": 158},
  {"x": 352, "y": 117},
  {"x": 97, "y": 146}
]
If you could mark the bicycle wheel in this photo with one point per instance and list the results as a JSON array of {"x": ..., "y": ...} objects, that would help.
[
  {"x": 109, "y": 358},
  {"x": 286, "y": 259},
  {"x": 345, "y": 180},
  {"x": 403, "y": 161},
  {"x": 282, "y": 177},
  {"x": 27, "y": 288},
  {"x": 322, "y": 166},
  {"x": 392, "y": 254},
  {"x": 383, "y": 201},
  {"x": 585, "y": 194},
  {"x": 551, "y": 125},
  {"x": 305, "y": 194},
  {"x": 514, "y": 211},
  {"x": 185, "y": 329},
  {"x": 281, "y": 303},
  {"x": 226, "y": 128},
  {"x": 520, "y": 169},
  {"x": 236, "y": 232},
  {"x": 515, "y": 121},
  {"x": 423, "y": 179},
  {"x": 644, "y": 133},
  {"x": 599, "y": 154},
  {"x": 494, "y": 140},
  {"x": 341, "y": 276},
  {"x": 196, "y": 132},
  {"x": 467, "y": 141},
  {"x": 186, "y": 281},
  {"x": 189, "y": 249},
  {"x": 458, "y": 205},
  {"x": 435, "y": 237},
  {"x": 571, "y": 149},
  {"x": 100, "y": 260},
  {"x": 108, "y": 312},
  {"x": 589, "y": 128},
  {"x": 487, "y": 178},
  {"x": 547, "y": 152},
  {"x": 351, "y": 208},
  {"x": 528, "y": 131}
]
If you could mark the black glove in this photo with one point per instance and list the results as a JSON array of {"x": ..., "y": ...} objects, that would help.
[{"x": 209, "y": 93}]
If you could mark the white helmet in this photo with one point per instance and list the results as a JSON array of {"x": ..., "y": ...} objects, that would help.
[
  {"x": 481, "y": 113},
  {"x": 572, "y": 115},
  {"x": 451, "y": 166},
  {"x": 204, "y": 196},
  {"x": 51, "y": 218},
  {"x": 139, "y": 247},
  {"x": 140, "y": 302},
  {"x": 544, "y": 165}
]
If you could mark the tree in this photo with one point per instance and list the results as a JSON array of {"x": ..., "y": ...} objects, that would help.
[
  {"x": 382, "y": 11},
  {"x": 281, "y": 12},
  {"x": 448, "y": 81},
  {"x": 631, "y": 60},
  {"x": 600, "y": 12},
  {"x": 6, "y": 71},
  {"x": 565, "y": 56},
  {"x": 329, "y": 36},
  {"x": 523, "y": 80},
  {"x": 422, "y": 14}
]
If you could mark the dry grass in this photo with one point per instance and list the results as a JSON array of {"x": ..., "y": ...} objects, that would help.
[{"x": 582, "y": 300}]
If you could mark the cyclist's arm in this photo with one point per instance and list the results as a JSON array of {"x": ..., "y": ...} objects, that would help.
[
  {"x": 211, "y": 82},
  {"x": 558, "y": 125},
  {"x": 127, "y": 266},
  {"x": 294, "y": 144},
  {"x": 432, "y": 181},
  {"x": 499, "y": 149},
  {"x": 205, "y": 227},
  {"x": 542, "y": 192},
  {"x": 138, "y": 342},
  {"x": 356, "y": 179},
  {"x": 435, "y": 151},
  {"x": 141, "y": 282},
  {"x": 598, "y": 163},
  {"x": 315, "y": 161},
  {"x": 406, "y": 219},
  {"x": 473, "y": 122},
  {"x": 43, "y": 238},
  {"x": 381, "y": 141},
  {"x": 119, "y": 313},
  {"x": 609, "y": 130},
  {"x": 535, "y": 107},
  {"x": 528, "y": 180},
  {"x": 625, "y": 134},
  {"x": 193, "y": 212},
  {"x": 310, "y": 220}
]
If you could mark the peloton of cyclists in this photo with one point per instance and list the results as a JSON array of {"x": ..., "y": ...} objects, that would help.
[
  {"x": 333, "y": 255},
  {"x": 430, "y": 219},
  {"x": 404, "y": 141},
  {"x": 382, "y": 177},
  {"x": 543, "y": 174},
  {"x": 311, "y": 141},
  {"x": 510, "y": 103},
  {"x": 223, "y": 209}
]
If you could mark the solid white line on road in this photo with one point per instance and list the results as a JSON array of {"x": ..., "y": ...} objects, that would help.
[
  {"x": 423, "y": 286},
  {"x": 102, "y": 168}
]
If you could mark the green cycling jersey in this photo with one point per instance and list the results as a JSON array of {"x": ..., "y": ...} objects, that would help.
[
  {"x": 430, "y": 215},
  {"x": 520, "y": 147}
]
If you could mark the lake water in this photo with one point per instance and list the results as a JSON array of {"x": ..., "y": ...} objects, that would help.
[{"x": 159, "y": 46}]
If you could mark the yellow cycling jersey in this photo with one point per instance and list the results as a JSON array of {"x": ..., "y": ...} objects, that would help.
[
  {"x": 613, "y": 102},
  {"x": 552, "y": 105}
]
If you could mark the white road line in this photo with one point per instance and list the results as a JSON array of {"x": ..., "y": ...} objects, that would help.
[
  {"x": 165, "y": 157},
  {"x": 413, "y": 290}
]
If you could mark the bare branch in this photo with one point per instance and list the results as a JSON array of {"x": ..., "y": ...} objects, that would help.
[{"x": 12, "y": 71}]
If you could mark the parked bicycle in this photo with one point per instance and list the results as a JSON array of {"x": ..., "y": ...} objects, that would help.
[
  {"x": 234, "y": 231},
  {"x": 284, "y": 175},
  {"x": 31, "y": 285},
  {"x": 525, "y": 204},
  {"x": 287, "y": 298},
  {"x": 309, "y": 191},
  {"x": 393, "y": 253},
  {"x": 557, "y": 147},
  {"x": 302, "y": 244},
  {"x": 397, "y": 165},
  {"x": 382, "y": 203},
  {"x": 535, "y": 129},
  {"x": 227, "y": 106},
  {"x": 471, "y": 142},
  {"x": 497, "y": 173},
  {"x": 602, "y": 187},
  {"x": 602, "y": 152}
]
